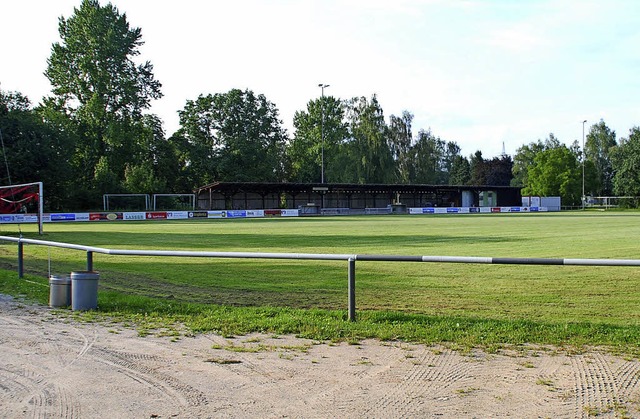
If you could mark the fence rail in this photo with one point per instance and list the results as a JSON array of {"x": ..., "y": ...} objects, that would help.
[{"x": 350, "y": 258}]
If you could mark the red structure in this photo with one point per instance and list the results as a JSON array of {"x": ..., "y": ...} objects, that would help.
[{"x": 13, "y": 200}]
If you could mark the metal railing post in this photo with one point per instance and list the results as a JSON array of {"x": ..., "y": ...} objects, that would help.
[
  {"x": 352, "y": 289},
  {"x": 89, "y": 261},
  {"x": 20, "y": 259}
]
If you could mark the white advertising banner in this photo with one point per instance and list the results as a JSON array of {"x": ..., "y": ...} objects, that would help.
[
  {"x": 177, "y": 215},
  {"x": 134, "y": 216}
]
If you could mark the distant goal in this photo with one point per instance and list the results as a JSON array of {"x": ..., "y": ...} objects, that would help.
[
  {"x": 126, "y": 202},
  {"x": 23, "y": 203}
]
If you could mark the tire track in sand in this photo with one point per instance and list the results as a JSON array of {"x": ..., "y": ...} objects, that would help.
[
  {"x": 598, "y": 388},
  {"x": 25, "y": 391},
  {"x": 429, "y": 376},
  {"x": 144, "y": 369}
]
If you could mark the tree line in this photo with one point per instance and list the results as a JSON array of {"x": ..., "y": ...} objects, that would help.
[{"x": 93, "y": 135}]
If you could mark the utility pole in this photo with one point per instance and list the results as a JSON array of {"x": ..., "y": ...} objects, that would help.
[
  {"x": 322, "y": 86},
  {"x": 584, "y": 157}
]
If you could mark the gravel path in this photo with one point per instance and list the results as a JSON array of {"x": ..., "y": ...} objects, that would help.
[{"x": 54, "y": 367}]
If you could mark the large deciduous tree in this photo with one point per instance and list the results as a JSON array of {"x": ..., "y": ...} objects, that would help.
[
  {"x": 523, "y": 160},
  {"x": 478, "y": 168},
  {"x": 555, "y": 171},
  {"x": 234, "y": 136},
  {"x": 401, "y": 141},
  {"x": 626, "y": 164},
  {"x": 427, "y": 155},
  {"x": 370, "y": 156},
  {"x": 599, "y": 143},
  {"x": 499, "y": 171},
  {"x": 320, "y": 130},
  {"x": 100, "y": 93},
  {"x": 35, "y": 151}
]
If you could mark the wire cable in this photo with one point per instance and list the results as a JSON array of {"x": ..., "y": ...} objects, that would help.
[{"x": 6, "y": 165}]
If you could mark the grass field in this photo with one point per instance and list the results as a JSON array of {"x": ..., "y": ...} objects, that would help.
[{"x": 467, "y": 305}]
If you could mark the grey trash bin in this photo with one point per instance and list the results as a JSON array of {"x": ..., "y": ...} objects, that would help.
[
  {"x": 84, "y": 290},
  {"x": 59, "y": 291}
]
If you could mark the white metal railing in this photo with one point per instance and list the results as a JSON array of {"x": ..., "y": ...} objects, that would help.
[{"x": 350, "y": 258}]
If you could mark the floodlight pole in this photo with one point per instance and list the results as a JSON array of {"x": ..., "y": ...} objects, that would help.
[
  {"x": 584, "y": 156},
  {"x": 322, "y": 86}
]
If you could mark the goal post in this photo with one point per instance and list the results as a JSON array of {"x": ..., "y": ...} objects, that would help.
[
  {"x": 21, "y": 198},
  {"x": 126, "y": 201}
]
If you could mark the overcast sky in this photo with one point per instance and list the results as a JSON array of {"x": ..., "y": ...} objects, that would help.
[{"x": 481, "y": 73}]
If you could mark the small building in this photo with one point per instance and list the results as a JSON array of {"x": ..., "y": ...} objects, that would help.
[{"x": 259, "y": 195}]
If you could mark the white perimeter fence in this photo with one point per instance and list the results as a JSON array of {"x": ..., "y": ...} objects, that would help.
[{"x": 349, "y": 258}]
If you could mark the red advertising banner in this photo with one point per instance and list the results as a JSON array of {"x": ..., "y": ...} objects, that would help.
[
  {"x": 156, "y": 215},
  {"x": 272, "y": 213},
  {"x": 105, "y": 216}
]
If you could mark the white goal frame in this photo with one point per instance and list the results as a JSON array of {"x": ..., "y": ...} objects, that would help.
[
  {"x": 40, "y": 214},
  {"x": 105, "y": 199}
]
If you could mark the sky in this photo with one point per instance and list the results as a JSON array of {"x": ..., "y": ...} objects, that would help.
[{"x": 487, "y": 74}]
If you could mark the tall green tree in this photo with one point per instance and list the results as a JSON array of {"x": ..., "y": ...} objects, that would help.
[
  {"x": 525, "y": 157},
  {"x": 100, "y": 93},
  {"x": 368, "y": 146},
  {"x": 450, "y": 156},
  {"x": 556, "y": 171},
  {"x": 499, "y": 171},
  {"x": 35, "y": 151},
  {"x": 427, "y": 155},
  {"x": 323, "y": 118},
  {"x": 460, "y": 171},
  {"x": 625, "y": 160},
  {"x": 400, "y": 140},
  {"x": 233, "y": 136},
  {"x": 479, "y": 168},
  {"x": 523, "y": 160},
  {"x": 599, "y": 142}
]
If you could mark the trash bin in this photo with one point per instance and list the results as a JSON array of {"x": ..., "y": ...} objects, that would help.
[
  {"x": 84, "y": 290},
  {"x": 59, "y": 291}
]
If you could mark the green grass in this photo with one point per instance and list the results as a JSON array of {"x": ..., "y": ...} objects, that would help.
[{"x": 468, "y": 305}]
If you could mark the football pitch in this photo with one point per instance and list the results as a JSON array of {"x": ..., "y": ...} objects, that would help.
[{"x": 464, "y": 303}]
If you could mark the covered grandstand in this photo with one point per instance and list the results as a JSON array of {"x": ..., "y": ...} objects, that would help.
[{"x": 259, "y": 196}]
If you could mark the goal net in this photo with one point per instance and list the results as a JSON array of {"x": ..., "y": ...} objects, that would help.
[
  {"x": 126, "y": 202},
  {"x": 610, "y": 202},
  {"x": 22, "y": 203}
]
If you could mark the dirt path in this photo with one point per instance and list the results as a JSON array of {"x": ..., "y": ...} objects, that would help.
[{"x": 53, "y": 367}]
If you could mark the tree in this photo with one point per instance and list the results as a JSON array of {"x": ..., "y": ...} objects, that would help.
[
  {"x": 427, "y": 155},
  {"x": 400, "y": 141},
  {"x": 367, "y": 146},
  {"x": 460, "y": 171},
  {"x": 34, "y": 150},
  {"x": 555, "y": 172},
  {"x": 525, "y": 156},
  {"x": 523, "y": 160},
  {"x": 451, "y": 153},
  {"x": 625, "y": 160},
  {"x": 499, "y": 171},
  {"x": 233, "y": 136},
  {"x": 305, "y": 151},
  {"x": 478, "y": 168},
  {"x": 158, "y": 167},
  {"x": 598, "y": 144},
  {"x": 100, "y": 93}
]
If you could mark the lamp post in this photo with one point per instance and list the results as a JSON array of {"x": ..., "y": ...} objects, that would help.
[
  {"x": 322, "y": 86},
  {"x": 584, "y": 156}
]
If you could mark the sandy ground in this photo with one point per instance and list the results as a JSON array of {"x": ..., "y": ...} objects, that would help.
[{"x": 54, "y": 367}]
